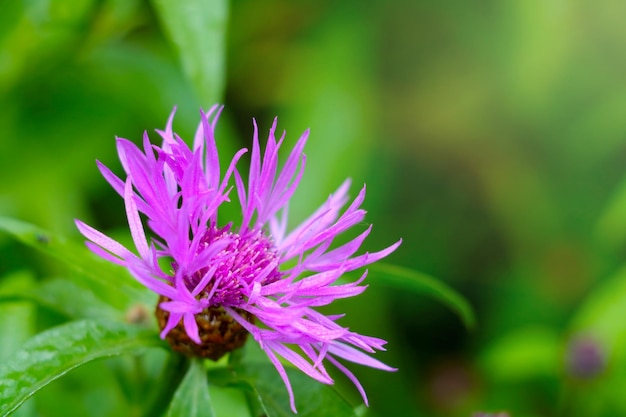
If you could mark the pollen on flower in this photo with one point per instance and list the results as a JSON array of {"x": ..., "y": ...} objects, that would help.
[{"x": 248, "y": 257}]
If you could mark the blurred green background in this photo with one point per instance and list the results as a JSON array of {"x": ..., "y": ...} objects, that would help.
[{"x": 491, "y": 135}]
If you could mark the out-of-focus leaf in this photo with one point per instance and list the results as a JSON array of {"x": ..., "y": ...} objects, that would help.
[
  {"x": 115, "y": 18},
  {"x": 611, "y": 229},
  {"x": 533, "y": 63},
  {"x": 78, "y": 257},
  {"x": 339, "y": 105},
  {"x": 75, "y": 300},
  {"x": 90, "y": 390},
  {"x": 406, "y": 279},
  {"x": 40, "y": 36},
  {"x": 197, "y": 30},
  {"x": 522, "y": 354},
  {"x": 62, "y": 14},
  {"x": 230, "y": 402},
  {"x": 51, "y": 354},
  {"x": 10, "y": 13},
  {"x": 363, "y": 411},
  {"x": 17, "y": 317},
  {"x": 192, "y": 398},
  {"x": 18, "y": 321},
  {"x": 270, "y": 395},
  {"x": 602, "y": 313},
  {"x": 67, "y": 297},
  {"x": 599, "y": 324}
]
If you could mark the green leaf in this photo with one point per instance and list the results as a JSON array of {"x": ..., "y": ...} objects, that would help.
[
  {"x": 524, "y": 353},
  {"x": 18, "y": 320},
  {"x": 313, "y": 399},
  {"x": 125, "y": 291},
  {"x": 405, "y": 279},
  {"x": 66, "y": 297},
  {"x": 197, "y": 30},
  {"x": 75, "y": 301},
  {"x": 10, "y": 14},
  {"x": 53, "y": 353},
  {"x": 192, "y": 398},
  {"x": 611, "y": 228},
  {"x": 602, "y": 312}
]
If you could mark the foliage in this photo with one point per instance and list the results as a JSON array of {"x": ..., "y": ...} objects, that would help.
[{"x": 491, "y": 137}]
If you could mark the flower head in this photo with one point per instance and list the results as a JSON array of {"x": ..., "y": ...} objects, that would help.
[{"x": 253, "y": 277}]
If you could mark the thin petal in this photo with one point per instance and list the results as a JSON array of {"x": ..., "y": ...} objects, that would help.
[
  {"x": 350, "y": 376},
  {"x": 102, "y": 240},
  {"x": 172, "y": 322},
  {"x": 134, "y": 222},
  {"x": 300, "y": 363},
  {"x": 353, "y": 355},
  {"x": 191, "y": 327},
  {"x": 283, "y": 374}
]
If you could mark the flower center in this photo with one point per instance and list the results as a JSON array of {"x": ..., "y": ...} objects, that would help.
[{"x": 250, "y": 257}]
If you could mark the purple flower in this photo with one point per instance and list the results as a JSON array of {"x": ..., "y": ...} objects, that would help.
[
  {"x": 585, "y": 357},
  {"x": 225, "y": 281}
]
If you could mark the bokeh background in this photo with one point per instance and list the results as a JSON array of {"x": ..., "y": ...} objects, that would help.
[{"x": 491, "y": 135}]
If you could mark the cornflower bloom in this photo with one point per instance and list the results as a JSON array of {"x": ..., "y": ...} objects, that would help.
[{"x": 226, "y": 282}]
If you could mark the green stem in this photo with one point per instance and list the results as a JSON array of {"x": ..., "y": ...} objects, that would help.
[{"x": 175, "y": 369}]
